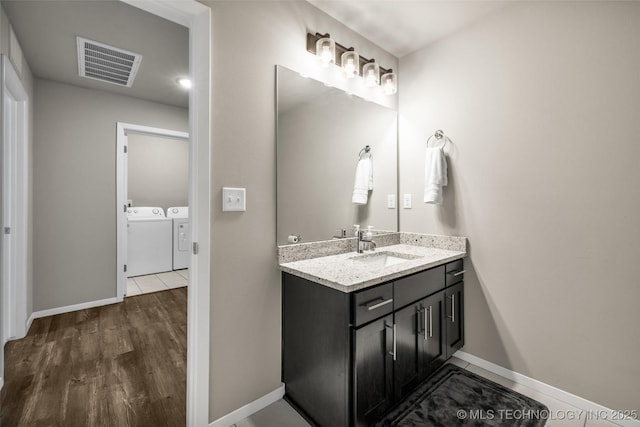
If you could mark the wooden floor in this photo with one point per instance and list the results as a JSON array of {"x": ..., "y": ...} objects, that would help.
[{"x": 117, "y": 365}]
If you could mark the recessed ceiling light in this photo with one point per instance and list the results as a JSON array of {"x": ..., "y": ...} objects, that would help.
[{"x": 184, "y": 82}]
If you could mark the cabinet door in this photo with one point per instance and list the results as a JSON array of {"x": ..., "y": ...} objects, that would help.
[
  {"x": 373, "y": 370},
  {"x": 454, "y": 318},
  {"x": 433, "y": 334},
  {"x": 407, "y": 366}
]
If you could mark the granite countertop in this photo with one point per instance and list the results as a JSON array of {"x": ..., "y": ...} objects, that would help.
[{"x": 346, "y": 273}]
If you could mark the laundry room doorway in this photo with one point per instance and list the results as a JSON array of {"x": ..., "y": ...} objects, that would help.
[{"x": 152, "y": 172}]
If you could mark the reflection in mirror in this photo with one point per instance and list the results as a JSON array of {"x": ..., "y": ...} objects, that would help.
[{"x": 320, "y": 133}]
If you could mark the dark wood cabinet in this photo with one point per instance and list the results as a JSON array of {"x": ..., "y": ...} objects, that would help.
[
  {"x": 433, "y": 343},
  {"x": 408, "y": 369},
  {"x": 373, "y": 369},
  {"x": 454, "y": 318},
  {"x": 349, "y": 357},
  {"x": 316, "y": 348},
  {"x": 420, "y": 342}
]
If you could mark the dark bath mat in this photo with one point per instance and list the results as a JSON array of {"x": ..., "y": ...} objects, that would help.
[{"x": 456, "y": 397}]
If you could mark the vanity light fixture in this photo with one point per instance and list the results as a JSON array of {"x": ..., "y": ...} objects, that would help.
[
  {"x": 389, "y": 83},
  {"x": 326, "y": 50},
  {"x": 352, "y": 64}
]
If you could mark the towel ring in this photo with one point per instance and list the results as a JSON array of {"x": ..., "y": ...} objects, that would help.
[
  {"x": 366, "y": 149},
  {"x": 438, "y": 135}
]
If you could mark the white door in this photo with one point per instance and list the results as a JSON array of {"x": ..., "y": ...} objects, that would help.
[
  {"x": 14, "y": 211},
  {"x": 8, "y": 207},
  {"x": 122, "y": 142},
  {"x": 14, "y": 204}
]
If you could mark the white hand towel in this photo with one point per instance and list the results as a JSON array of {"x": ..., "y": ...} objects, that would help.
[
  {"x": 435, "y": 175},
  {"x": 363, "y": 181}
]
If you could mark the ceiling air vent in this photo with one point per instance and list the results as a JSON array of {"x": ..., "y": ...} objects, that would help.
[{"x": 109, "y": 64}]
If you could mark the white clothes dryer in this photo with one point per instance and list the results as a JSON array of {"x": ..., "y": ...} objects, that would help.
[
  {"x": 149, "y": 241},
  {"x": 181, "y": 236}
]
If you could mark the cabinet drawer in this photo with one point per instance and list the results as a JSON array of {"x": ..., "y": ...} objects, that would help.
[
  {"x": 372, "y": 303},
  {"x": 417, "y": 286},
  {"x": 455, "y": 272}
]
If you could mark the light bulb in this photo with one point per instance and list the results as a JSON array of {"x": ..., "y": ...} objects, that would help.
[
  {"x": 350, "y": 68},
  {"x": 388, "y": 87},
  {"x": 371, "y": 80},
  {"x": 325, "y": 56}
]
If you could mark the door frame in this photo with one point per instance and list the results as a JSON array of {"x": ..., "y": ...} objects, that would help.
[
  {"x": 15, "y": 193},
  {"x": 123, "y": 130},
  {"x": 197, "y": 17}
]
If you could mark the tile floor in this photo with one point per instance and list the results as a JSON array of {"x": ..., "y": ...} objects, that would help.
[
  {"x": 282, "y": 415},
  {"x": 157, "y": 282}
]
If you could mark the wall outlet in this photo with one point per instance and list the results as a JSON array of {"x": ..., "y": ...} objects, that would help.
[
  {"x": 391, "y": 201},
  {"x": 406, "y": 201},
  {"x": 234, "y": 199}
]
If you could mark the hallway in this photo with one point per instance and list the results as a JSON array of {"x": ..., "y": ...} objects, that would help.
[{"x": 123, "y": 364}]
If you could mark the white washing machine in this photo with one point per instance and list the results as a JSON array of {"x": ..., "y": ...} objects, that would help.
[
  {"x": 149, "y": 241},
  {"x": 181, "y": 236}
]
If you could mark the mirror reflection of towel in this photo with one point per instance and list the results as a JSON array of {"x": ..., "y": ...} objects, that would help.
[
  {"x": 435, "y": 175},
  {"x": 363, "y": 181}
]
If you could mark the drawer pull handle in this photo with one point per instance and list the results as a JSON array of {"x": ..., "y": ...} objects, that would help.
[
  {"x": 430, "y": 321},
  {"x": 371, "y": 306},
  {"x": 393, "y": 353},
  {"x": 453, "y": 309},
  {"x": 456, "y": 273},
  {"x": 425, "y": 323}
]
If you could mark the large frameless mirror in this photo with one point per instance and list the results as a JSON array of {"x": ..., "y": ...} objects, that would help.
[{"x": 322, "y": 133}]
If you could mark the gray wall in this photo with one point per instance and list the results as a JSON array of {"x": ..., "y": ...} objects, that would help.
[
  {"x": 27, "y": 81},
  {"x": 249, "y": 39},
  {"x": 541, "y": 102},
  {"x": 75, "y": 188},
  {"x": 158, "y": 171}
]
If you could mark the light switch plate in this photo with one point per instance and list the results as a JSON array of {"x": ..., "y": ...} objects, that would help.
[
  {"x": 234, "y": 199},
  {"x": 391, "y": 201},
  {"x": 406, "y": 201}
]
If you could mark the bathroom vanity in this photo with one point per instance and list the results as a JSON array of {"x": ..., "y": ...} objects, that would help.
[{"x": 361, "y": 331}]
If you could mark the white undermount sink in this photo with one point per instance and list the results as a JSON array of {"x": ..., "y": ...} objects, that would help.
[{"x": 384, "y": 259}]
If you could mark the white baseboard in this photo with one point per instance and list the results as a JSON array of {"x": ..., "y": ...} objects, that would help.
[
  {"x": 249, "y": 409},
  {"x": 29, "y": 322},
  {"x": 549, "y": 390},
  {"x": 70, "y": 308}
]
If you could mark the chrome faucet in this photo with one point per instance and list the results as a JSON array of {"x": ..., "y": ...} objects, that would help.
[{"x": 362, "y": 240}]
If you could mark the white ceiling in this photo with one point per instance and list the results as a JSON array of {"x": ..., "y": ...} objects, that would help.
[
  {"x": 403, "y": 26},
  {"x": 47, "y": 33}
]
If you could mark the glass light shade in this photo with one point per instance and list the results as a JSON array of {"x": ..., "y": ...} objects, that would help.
[
  {"x": 371, "y": 74},
  {"x": 389, "y": 83},
  {"x": 350, "y": 63},
  {"x": 326, "y": 51}
]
